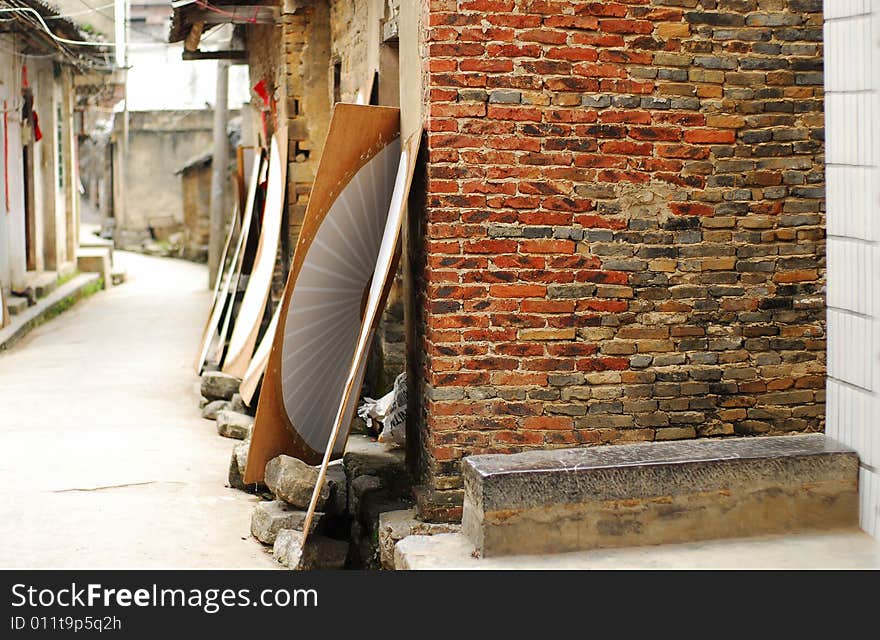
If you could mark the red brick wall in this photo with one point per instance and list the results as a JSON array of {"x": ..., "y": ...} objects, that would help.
[{"x": 623, "y": 226}]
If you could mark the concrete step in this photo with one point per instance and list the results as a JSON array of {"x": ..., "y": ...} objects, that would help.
[
  {"x": 96, "y": 260},
  {"x": 42, "y": 283},
  {"x": 841, "y": 549},
  {"x": 657, "y": 493},
  {"x": 46, "y": 308},
  {"x": 16, "y": 305}
]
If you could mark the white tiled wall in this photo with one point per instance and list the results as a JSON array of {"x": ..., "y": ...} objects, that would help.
[{"x": 852, "y": 131}]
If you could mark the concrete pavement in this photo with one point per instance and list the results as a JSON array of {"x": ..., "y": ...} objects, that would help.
[{"x": 107, "y": 462}]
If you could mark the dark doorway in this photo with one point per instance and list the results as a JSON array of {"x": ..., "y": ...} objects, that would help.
[{"x": 30, "y": 225}]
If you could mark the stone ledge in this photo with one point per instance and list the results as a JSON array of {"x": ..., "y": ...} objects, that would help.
[
  {"x": 843, "y": 549},
  {"x": 56, "y": 302},
  {"x": 656, "y": 493}
]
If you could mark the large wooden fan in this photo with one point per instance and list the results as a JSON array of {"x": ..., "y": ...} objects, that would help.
[{"x": 313, "y": 352}]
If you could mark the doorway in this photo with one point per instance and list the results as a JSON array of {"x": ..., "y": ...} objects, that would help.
[{"x": 30, "y": 223}]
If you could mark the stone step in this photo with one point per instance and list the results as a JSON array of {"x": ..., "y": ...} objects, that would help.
[
  {"x": 16, "y": 305},
  {"x": 96, "y": 260},
  {"x": 838, "y": 549},
  {"x": 67, "y": 294},
  {"x": 657, "y": 493},
  {"x": 41, "y": 282}
]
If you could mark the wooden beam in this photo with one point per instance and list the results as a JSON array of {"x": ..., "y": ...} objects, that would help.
[
  {"x": 234, "y": 14},
  {"x": 230, "y": 54},
  {"x": 193, "y": 38}
]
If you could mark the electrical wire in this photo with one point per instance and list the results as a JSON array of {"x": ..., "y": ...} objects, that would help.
[
  {"x": 90, "y": 9},
  {"x": 86, "y": 43}
]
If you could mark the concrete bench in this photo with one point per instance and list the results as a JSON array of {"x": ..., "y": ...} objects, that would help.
[
  {"x": 96, "y": 260},
  {"x": 655, "y": 493}
]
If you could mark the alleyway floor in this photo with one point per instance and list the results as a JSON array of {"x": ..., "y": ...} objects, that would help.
[{"x": 106, "y": 460}]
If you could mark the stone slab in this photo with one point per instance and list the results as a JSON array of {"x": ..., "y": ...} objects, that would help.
[
  {"x": 655, "y": 493},
  {"x": 16, "y": 305},
  {"x": 42, "y": 282},
  {"x": 269, "y": 518},
  {"x": 96, "y": 260},
  {"x": 365, "y": 456},
  {"x": 842, "y": 549},
  {"x": 394, "y": 526},
  {"x": 48, "y": 307},
  {"x": 234, "y": 425},
  {"x": 293, "y": 481},
  {"x": 219, "y": 386},
  {"x": 319, "y": 552}
]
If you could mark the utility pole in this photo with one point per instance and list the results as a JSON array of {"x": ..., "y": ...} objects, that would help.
[{"x": 219, "y": 172}]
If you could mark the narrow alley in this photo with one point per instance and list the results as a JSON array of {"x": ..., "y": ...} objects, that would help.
[{"x": 108, "y": 460}]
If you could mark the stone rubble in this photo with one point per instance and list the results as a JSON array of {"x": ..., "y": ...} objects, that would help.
[
  {"x": 394, "y": 526},
  {"x": 271, "y": 517},
  {"x": 319, "y": 552},
  {"x": 219, "y": 386},
  {"x": 293, "y": 481},
  {"x": 213, "y": 407},
  {"x": 238, "y": 405},
  {"x": 234, "y": 425}
]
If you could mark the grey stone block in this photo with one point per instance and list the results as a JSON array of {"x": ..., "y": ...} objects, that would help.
[
  {"x": 237, "y": 465},
  {"x": 293, "y": 481},
  {"x": 656, "y": 493},
  {"x": 319, "y": 552},
  {"x": 396, "y": 525},
  {"x": 366, "y": 457},
  {"x": 213, "y": 407},
  {"x": 219, "y": 386},
  {"x": 271, "y": 517},
  {"x": 237, "y": 404},
  {"x": 338, "y": 501},
  {"x": 505, "y": 96},
  {"x": 234, "y": 425}
]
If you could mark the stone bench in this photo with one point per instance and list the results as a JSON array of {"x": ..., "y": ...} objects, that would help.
[
  {"x": 656, "y": 493},
  {"x": 96, "y": 260}
]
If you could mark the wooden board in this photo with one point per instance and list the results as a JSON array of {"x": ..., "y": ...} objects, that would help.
[
  {"x": 329, "y": 277},
  {"x": 257, "y": 367},
  {"x": 380, "y": 286},
  {"x": 4, "y": 312},
  {"x": 246, "y": 256},
  {"x": 227, "y": 281},
  {"x": 253, "y": 306}
]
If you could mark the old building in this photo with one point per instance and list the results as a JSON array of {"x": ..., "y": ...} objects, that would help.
[
  {"x": 47, "y": 89},
  {"x": 617, "y": 229},
  {"x": 164, "y": 118}
]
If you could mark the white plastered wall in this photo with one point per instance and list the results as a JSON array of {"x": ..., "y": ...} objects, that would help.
[
  {"x": 12, "y": 240},
  {"x": 852, "y": 132}
]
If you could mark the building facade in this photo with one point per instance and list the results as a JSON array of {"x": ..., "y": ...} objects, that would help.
[
  {"x": 616, "y": 231},
  {"x": 852, "y": 83},
  {"x": 45, "y": 90}
]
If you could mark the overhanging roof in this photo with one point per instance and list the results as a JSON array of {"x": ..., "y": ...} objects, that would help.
[
  {"x": 36, "y": 40},
  {"x": 192, "y": 18}
]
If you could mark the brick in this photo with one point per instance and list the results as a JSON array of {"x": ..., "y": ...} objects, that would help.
[
  {"x": 546, "y": 334},
  {"x": 623, "y": 206}
]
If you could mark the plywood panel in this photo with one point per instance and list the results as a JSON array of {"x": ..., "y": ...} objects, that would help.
[
  {"x": 253, "y": 306},
  {"x": 257, "y": 367},
  {"x": 228, "y": 283}
]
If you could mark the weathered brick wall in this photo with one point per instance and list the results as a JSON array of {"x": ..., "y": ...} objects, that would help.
[
  {"x": 348, "y": 28},
  {"x": 623, "y": 225},
  {"x": 293, "y": 60}
]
